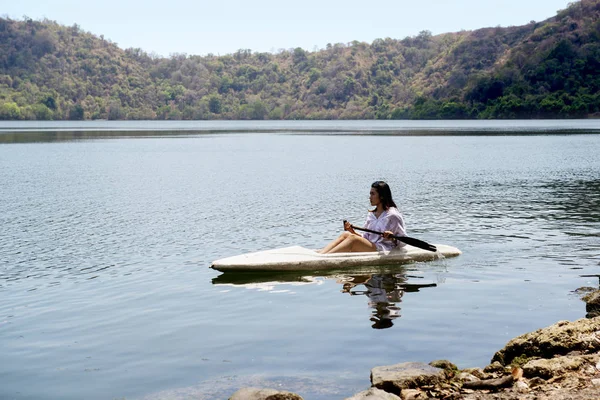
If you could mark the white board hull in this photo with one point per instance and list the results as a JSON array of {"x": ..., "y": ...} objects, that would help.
[{"x": 296, "y": 258}]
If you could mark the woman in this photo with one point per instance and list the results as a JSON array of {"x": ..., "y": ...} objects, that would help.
[{"x": 385, "y": 218}]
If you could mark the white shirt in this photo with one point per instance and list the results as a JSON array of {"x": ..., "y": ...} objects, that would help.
[{"x": 389, "y": 220}]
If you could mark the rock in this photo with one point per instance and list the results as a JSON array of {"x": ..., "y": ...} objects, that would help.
[
  {"x": 493, "y": 368},
  {"x": 596, "y": 382},
  {"x": 443, "y": 364},
  {"x": 548, "y": 368},
  {"x": 476, "y": 372},
  {"x": 593, "y": 313},
  {"x": 536, "y": 381},
  {"x": 584, "y": 291},
  {"x": 263, "y": 394},
  {"x": 592, "y": 298},
  {"x": 521, "y": 387},
  {"x": 410, "y": 375},
  {"x": 592, "y": 304},
  {"x": 467, "y": 377},
  {"x": 374, "y": 394},
  {"x": 590, "y": 370},
  {"x": 284, "y": 396},
  {"x": 559, "y": 339},
  {"x": 412, "y": 394},
  {"x": 449, "y": 368}
]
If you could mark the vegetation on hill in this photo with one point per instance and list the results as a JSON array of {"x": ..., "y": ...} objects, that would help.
[{"x": 548, "y": 69}]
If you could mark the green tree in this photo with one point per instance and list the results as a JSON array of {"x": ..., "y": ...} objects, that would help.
[
  {"x": 42, "y": 112},
  {"x": 115, "y": 111},
  {"x": 76, "y": 112},
  {"x": 257, "y": 110},
  {"x": 214, "y": 104},
  {"x": 10, "y": 111}
]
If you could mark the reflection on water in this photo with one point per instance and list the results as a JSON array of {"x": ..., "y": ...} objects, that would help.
[
  {"x": 61, "y": 131},
  {"x": 246, "y": 279},
  {"x": 68, "y": 136},
  {"x": 383, "y": 290}
]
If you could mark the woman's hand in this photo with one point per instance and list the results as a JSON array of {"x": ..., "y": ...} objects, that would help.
[
  {"x": 348, "y": 227},
  {"x": 388, "y": 234}
]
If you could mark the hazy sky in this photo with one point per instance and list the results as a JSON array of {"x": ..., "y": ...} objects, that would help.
[{"x": 224, "y": 26}]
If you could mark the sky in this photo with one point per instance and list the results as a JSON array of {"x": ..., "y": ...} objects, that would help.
[{"x": 224, "y": 26}]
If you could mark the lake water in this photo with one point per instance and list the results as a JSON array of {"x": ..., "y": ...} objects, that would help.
[{"x": 108, "y": 229}]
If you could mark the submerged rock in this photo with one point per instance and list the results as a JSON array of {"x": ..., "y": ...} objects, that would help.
[
  {"x": 561, "y": 338},
  {"x": 410, "y": 375}
]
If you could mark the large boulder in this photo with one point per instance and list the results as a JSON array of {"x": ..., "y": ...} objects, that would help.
[
  {"x": 561, "y": 338},
  {"x": 263, "y": 394},
  {"x": 549, "y": 368},
  {"x": 410, "y": 375}
]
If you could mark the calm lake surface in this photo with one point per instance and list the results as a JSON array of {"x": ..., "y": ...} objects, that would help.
[{"x": 108, "y": 229}]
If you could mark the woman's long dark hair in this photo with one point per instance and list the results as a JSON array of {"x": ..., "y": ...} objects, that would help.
[{"x": 385, "y": 195}]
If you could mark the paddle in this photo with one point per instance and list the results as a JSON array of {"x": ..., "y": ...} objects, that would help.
[{"x": 405, "y": 239}]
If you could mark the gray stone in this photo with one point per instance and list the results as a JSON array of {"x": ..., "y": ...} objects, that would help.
[
  {"x": 410, "y": 375},
  {"x": 596, "y": 382},
  {"x": 558, "y": 339},
  {"x": 521, "y": 387},
  {"x": 263, "y": 394},
  {"x": 374, "y": 394}
]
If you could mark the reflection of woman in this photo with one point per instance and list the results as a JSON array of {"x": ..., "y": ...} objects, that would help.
[
  {"x": 383, "y": 291},
  {"x": 385, "y": 217}
]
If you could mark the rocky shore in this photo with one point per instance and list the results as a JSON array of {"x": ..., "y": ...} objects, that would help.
[{"x": 561, "y": 361}]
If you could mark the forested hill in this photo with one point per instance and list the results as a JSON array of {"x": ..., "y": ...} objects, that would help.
[{"x": 548, "y": 69}]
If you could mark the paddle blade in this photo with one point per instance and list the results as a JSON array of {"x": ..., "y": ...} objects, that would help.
[{"x": 416, "y": 243}]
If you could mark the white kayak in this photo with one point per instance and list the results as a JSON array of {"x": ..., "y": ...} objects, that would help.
[{"x": 297, "y": 258}]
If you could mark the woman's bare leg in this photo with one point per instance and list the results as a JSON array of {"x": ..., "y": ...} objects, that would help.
[
  {"x": 335, "y": 242},
  {"x": 350, "y": 244}
]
